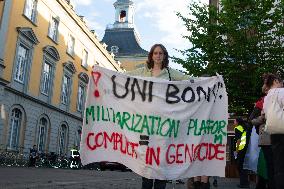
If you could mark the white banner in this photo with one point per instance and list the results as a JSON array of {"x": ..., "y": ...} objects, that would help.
[{"x": 159, "y": 129}]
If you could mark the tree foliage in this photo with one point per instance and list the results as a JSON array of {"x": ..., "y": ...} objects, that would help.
[{"x": 241, "y": 40}]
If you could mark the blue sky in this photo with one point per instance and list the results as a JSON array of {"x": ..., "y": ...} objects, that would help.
[{"x": 155, "y": 21}]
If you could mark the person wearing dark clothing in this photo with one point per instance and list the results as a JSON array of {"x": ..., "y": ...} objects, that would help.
[
  {"x": 33, "y": 156},
  {"x": 277, "y": 141},
  {"x": 240, "y": 149},
  {"x": 256, "y": 112},
  {"x": 258, "y": 120},
  {"x": 148, "y": 183}
]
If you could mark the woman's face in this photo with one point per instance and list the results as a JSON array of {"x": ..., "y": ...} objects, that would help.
[
  {"x": 277, "y": 84},
  {"x": 158, "y": 55}
]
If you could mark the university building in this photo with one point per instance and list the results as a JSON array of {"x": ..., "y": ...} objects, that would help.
[
  {"x": 122, "y": 39},
  {"x": 46, "y": 55}
]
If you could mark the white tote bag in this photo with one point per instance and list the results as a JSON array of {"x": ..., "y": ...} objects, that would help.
[
  {"x": 274, "y": 116},
  {"x": 251, "y": 157}
]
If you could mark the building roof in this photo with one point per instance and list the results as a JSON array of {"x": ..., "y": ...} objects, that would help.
[
  {"x": 123, "y": 1},
  {"x": 126, "y": 40}
]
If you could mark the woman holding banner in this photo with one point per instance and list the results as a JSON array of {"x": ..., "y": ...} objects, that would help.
[{"x": 157, "y": 66}]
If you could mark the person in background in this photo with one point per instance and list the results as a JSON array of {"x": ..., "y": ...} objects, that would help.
[
  {"x": 157, "y": 65},
  {"x": 265, "y": 161},
  {"x": 190, "y": 183},
  {"x": 240, "y": 141},
  {"x": 275, "y": 86},
  {"x": 201, "y": 182},
  {"x": 33, "y": 156},
  {"x": 75, "y": 160},
  {"x": 215, "y": 183}
]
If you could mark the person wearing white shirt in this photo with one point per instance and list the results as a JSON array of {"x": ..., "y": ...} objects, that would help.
[{"x": 275, "y": 86}]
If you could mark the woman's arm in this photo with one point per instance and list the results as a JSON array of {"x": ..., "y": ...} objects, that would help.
[
  {"x": 281, "y": 97},
  {"x": 259, "y": 120}
]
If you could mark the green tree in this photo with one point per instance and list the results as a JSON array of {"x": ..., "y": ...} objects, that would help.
[{"x": 241, "y": 41}]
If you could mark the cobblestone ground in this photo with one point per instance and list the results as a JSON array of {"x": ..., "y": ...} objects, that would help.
[{"x": 45, "y": 178}]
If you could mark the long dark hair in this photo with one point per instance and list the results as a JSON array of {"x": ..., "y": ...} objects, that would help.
[
  {"x": 150, "y": 62},
  {"x": 269, "y": 78}
]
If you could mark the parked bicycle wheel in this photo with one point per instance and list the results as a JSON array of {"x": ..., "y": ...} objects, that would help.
[
  {"x": 64, "y": 163},
  {"x": 22, "y": 160},
  {"x": 2, "y": 158},
  {"x": 10, "y": 159}
]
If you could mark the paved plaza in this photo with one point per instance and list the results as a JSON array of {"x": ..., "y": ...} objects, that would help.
[{"x": 47, "y": 178}]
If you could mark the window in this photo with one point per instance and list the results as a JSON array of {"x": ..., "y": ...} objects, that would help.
[
  {"x": 50, "y": 59},
  {"x": 78, "y": 138},
  {"x": 21, "y": 63},
  {"x": 85, "y": 58},
  {"x": 83, "y": 82},
  {"x": 122, "y": 16},
  {"x": 62, "y": 139},
  {"x": 23, "y": 59},
  {"x": 53, "y": 29},
  {"x": 114, "y": 49},
  {"x": 81, "y": 98},
  {"x": 65, "y": 89},
  {"x": 70, "y": 45},
  {"x": 41, "y": 134},
  {"x": 15, "y": 125},
  {"x": 46, "y": 78},
  {"x": 30, "y": 10}
]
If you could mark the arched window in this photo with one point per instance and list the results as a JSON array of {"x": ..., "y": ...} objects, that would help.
[
  {"x": 81, "y": 97},
  {"x": 78, "y": 138},
  {"x": 43, "y": 124},
  {"x": 15, "y": 126},
  {"x": 83, "y": 82},
  {"x": 62, "y": 139},
  {"x": 122, "y": 16},
  {"x": 50, "y": 58}
]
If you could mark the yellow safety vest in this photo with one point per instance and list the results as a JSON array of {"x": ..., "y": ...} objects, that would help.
[{"x": 243, "y": 138}]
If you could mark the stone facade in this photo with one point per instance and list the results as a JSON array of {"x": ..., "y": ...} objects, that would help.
[{"x": 46, "y": 58}]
